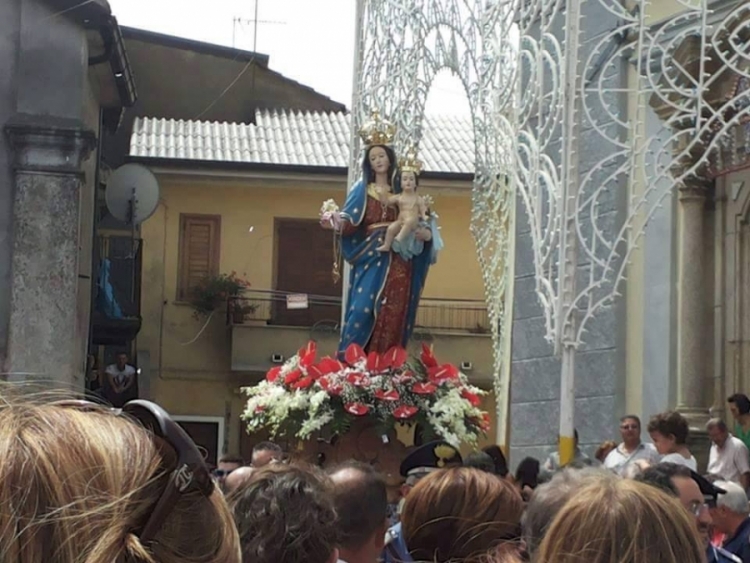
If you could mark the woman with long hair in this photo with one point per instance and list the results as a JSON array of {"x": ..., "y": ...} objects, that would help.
[{"x": 80, "y": 483}]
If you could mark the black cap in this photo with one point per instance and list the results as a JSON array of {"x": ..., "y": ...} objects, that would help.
[
  {"x": 430, "y": 456},
  {"x": 708, "y": 489}
]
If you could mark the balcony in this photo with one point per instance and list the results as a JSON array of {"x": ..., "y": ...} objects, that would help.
[
  {"x": 263, "y": 325},
  {"x": 116, "y": 313}
]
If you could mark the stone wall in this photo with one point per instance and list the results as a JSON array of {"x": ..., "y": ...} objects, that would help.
[
  {"x": 46, "y": 109},
  {"x": 10, "y": 14},
  {"x": 535, "y": 372}
]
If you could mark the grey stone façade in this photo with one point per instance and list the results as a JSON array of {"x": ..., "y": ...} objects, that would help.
[
  {"x": 44, "y": 282},
  {"x": 600, "y": 363},
  {"x": 49, "y": 117}
]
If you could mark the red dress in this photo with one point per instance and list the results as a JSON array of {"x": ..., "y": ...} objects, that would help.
[{"x": 390, "y": 325}]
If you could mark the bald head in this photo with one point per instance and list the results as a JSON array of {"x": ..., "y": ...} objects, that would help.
[
  {"x": 361, "y": 501},
  {"x": 237, "y": 478}
]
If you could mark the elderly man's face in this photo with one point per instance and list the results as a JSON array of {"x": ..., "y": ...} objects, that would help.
[
  {"x": 693, "y": 501},
  {"x": 718, "y": 436}
]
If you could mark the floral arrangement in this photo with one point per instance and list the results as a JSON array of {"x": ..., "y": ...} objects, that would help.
[
  {"x": 214, "y": 291},
  {"x": 328, "y": 212},
  {"x": 305, "y": 396}
]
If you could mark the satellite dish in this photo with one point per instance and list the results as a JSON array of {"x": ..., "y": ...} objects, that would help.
[{"x": 132, "y": 194}]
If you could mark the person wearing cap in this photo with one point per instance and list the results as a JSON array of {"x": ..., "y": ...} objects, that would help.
[
  {"x": 731, "y": 517},
  {"x": 697, "y": 494},
  {"x": 422, "y": 461}
]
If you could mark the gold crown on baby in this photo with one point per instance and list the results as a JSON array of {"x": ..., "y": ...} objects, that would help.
[
  {"x": 410, "y": 162},
  {"x": 377, "y": 131}
]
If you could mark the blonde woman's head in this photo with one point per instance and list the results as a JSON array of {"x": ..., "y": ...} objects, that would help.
[
  {"x": 77, "y": 485},
  {"x": 621, "y": 521}
]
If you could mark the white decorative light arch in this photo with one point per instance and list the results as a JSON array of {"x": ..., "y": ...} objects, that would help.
[{"x": 402, "y": 46}]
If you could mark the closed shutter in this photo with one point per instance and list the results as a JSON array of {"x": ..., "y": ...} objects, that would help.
[
  {"x": 200, "y": 248},
  {"x": 304, "y": 260}
]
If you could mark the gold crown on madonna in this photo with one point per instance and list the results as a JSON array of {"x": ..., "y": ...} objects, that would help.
[
  {"x": 410, "y": 162},
  {"x": 377, "y": 131}
]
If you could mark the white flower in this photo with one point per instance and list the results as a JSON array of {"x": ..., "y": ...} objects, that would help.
[{"x": 329, "y": 207}]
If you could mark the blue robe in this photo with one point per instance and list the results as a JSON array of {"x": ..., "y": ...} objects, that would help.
[{"x": 369, "y": 270}]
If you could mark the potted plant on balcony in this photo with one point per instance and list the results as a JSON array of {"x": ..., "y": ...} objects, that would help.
[
  {"x": 240, "y": 309},
  {"x": 212, "y": 292}
]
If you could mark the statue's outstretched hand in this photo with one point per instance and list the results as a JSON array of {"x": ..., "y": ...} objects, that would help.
[{"x": 331, "y": 221}]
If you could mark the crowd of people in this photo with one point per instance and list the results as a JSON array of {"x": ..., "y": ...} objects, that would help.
[{"x": 82, "y": 483}]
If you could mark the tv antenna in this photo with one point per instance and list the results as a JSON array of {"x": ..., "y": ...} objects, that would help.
[{"x": 241, "y": 22}]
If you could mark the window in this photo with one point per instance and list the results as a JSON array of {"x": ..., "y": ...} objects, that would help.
[
  {"x": 304, "y": 260},
  {"x": 208, "y": 434},
  {"x": 200, "y": 248}
]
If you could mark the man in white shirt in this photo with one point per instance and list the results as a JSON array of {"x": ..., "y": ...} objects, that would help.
[
  {"x": 120, "y": 381},
  {"x": 729, "y": 458},
  {"x": 631, "y": 449}
]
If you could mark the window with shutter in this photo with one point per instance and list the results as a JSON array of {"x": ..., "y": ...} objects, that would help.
[
  {"x": 304, "y": 258},
  {"x": 200, "y": 250}
]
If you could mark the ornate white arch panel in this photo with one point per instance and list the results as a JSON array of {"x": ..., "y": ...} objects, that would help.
[{"x": 403, "y": 44}]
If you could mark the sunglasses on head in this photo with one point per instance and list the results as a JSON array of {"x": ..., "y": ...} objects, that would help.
[
  {"x": 190, "y": 474},
  {"x": 222, "y": 472}
]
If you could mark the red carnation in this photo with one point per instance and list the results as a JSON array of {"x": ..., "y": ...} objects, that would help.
[
  {"x": 485, "y": 423},
  {"x": 329, "y": 387},
  {"x": 354, "y": 353},
  {"x": 307, "y": 354},
  {"x": 424, "y": 388},
  {"x": 405, "y": 411},
  {"x": 292, "y": 376},
  {"x": 273, "y": 374},
  {"x": 427, "y": 357},
  {"x": 383, "y": 395},
  {"x": 395, "y": 357},
  {"x": 303, "y": 383},
  {"x": 406, "y": 377},
  {"x": 357, "y": 409},
  {"x": 358, "y": 379},
  {"x": 473, "y": 398},
  {"x": 444, "y": 373}
]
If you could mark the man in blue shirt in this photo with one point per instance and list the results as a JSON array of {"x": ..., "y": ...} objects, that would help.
[
  {"x": 422, "y": 461},
  {"x": 731, "y": 517}
]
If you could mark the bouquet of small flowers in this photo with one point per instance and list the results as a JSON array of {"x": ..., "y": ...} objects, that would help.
[
  {"x": 305, "y": 395},
  {"x": 328, "y": 212}
]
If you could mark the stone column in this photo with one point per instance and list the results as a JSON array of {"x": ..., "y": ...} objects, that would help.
[
  {"x": 692, "y": 401},
  {"x": 42, "y": 341}
]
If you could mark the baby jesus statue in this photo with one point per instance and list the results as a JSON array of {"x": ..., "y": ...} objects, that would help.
[{"x": 412, "y": 208}]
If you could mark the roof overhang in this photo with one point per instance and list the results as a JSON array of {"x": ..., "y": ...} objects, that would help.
[
  {"x": 185, "y": 169},
  {"x": 106, "y": 47},
  {"x": 195, "y": 46}
]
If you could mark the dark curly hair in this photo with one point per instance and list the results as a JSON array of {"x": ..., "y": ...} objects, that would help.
[
  {"x": 285, "y": 514},
  {"x": 670, "y": 424}
]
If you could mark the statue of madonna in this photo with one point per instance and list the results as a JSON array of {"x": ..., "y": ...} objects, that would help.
[{"x": 384, "y": 287}]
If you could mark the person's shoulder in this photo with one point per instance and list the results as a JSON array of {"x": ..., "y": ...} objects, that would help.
[
  {"x": 129, "y": 370},
  {"x": 612, "y": 459},
  {"x": 111, "y": 368},
  {"x": 737, "y": 443}
]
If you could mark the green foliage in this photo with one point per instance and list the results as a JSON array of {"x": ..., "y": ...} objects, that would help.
[{"x": 213, "y": 291}]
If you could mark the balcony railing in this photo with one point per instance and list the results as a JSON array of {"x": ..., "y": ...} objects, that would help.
[
  {"x": 271, "y": 308},
  {"x": 116, "y": 314}
]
